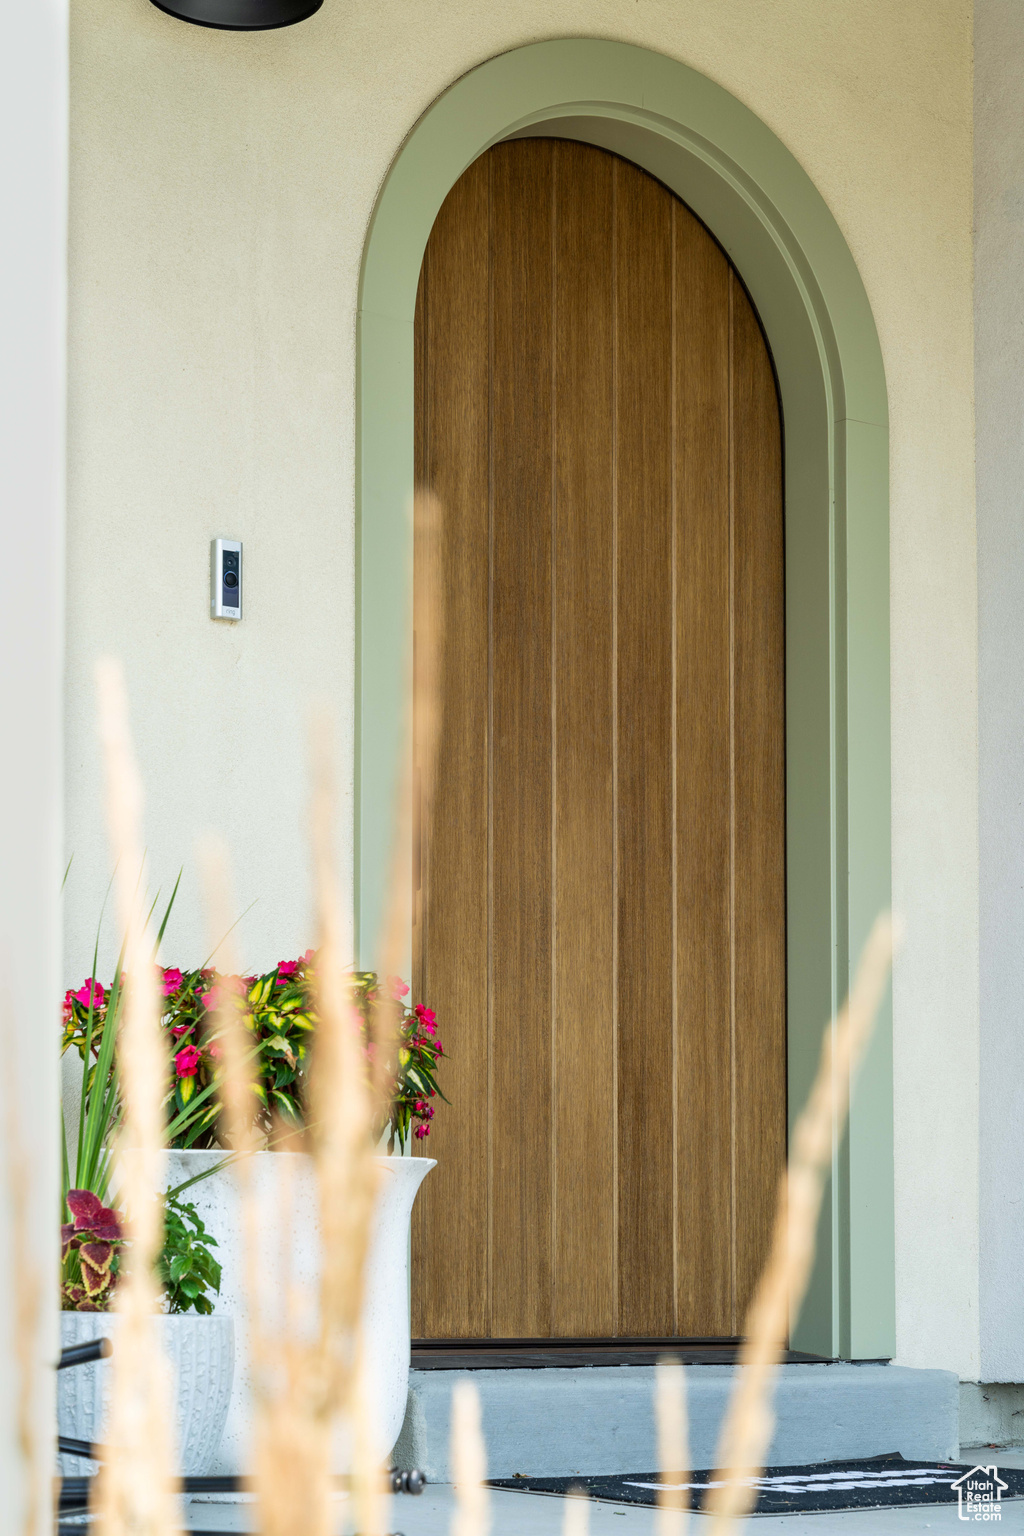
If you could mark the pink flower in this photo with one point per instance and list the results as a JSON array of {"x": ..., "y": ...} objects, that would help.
[
  {"x": 187, "y": 1061},
  {"x": 84, "y": 996},
  {"x": 172, "y": 980},
  {"x": 177, "y": 1030},
  {"x": 287, "y": 967},
  {"x": 67, "y": 1013},
  {"x": 421, "y": 1131},
  {"x": 427, "y": 1017},
  {"x": 397, "y": 987},
  {"x": 210, "y": 999},
  {"x": 214, "y": 1051},
  {"x": 309, "y": 956}
]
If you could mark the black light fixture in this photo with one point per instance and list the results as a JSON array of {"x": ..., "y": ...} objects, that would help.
[{"x": 240, "y": 15}]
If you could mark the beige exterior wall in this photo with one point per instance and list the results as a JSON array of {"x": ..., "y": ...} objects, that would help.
[{"x": 221, "y": 189}]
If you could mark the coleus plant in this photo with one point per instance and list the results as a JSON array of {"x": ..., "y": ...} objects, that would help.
[
  {"x": 91, "y": 1244},
  {"x": 95, "y": 1253}
]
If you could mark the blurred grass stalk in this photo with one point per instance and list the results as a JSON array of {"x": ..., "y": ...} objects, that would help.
[
  {"x": 471, "y": 1515},
  {"x": 749, "y": 1422},
  {"x": 673, "y": 1447},
  {"x": 136, "y": 1489}
]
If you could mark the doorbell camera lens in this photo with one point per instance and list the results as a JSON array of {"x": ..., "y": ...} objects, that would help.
[{"x": 230, "y": 579}]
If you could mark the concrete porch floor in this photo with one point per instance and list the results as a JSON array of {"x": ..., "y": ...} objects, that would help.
[{"x": 526, "y": 1514}]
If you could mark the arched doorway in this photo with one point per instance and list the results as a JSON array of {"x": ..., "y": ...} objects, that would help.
[
  {"x": 601, "y": 913},
  {"x": 761, "y": 206}
]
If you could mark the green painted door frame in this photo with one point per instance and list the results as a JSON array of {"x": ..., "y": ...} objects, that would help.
[{"x": 750, "y": 191}]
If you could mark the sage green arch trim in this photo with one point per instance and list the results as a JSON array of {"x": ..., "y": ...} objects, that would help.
[{"x": 750, "y": 191}]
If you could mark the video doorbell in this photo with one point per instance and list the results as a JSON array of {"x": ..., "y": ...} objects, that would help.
[{"x": 225, "y": 579}]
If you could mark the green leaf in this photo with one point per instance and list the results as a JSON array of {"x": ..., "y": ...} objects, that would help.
[
  {"x": 287, "y": 1107},
  {"x": 280, "y": 1047},
  {"x": 167, "y": 912}
]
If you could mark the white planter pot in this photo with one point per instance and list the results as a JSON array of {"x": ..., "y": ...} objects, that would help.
[
  {"x": 284, "y": 1188},
  {"x": 201, "y": 1355}
]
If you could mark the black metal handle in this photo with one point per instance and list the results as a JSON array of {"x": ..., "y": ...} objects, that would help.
[
  {"x": 84, "y": 1448},
  {"x": 83, "y": 1354}
]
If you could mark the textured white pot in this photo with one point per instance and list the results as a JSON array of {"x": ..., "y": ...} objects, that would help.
[
  {"x": 285, "y": 1196},
  {"x": 201, "y": 1355}
]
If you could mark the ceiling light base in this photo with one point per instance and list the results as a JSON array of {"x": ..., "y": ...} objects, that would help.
[{"x": 240, "y": 15}]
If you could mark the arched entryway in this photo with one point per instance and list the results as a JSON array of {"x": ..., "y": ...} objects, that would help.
[
  {"x": 773, "y": 225},
  {"x": 600, "y": 918}
]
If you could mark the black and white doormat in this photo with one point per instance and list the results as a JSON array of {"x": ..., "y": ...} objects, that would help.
[{"x": 870, "y": 1484}]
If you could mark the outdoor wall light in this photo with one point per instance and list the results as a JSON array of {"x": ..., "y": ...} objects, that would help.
[{"x": 240, "y": 15}]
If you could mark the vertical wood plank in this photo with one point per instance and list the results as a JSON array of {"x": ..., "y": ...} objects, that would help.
[
  {"x": 521, "y": 458},
  {"x": 643, "y": 264},
  {"x": 584, "y": 1087},
  {"x": 450, "y": 1216},
  {"x": 759, "y": 794},
  {"x": 702, "y": 767}
]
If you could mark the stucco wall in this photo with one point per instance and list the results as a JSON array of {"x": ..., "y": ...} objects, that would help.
[
  {"x": 999, "y": 351},
  {"x": 221, "y": 190},
  {"x": 33, "y": 195}
]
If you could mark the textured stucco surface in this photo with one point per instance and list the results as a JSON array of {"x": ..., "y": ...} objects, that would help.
[
  {"x": 221, "y": 188},
  {"x": 33, "y": 182},
  {"x": 999, "y": 351}
]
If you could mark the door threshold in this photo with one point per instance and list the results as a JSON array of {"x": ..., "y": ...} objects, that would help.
[{"x": 572, "y": 1354}]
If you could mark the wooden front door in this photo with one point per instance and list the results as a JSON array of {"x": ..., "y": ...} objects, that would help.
[{"x": 601, "y": 917}]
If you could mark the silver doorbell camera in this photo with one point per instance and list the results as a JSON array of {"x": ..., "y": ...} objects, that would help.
[{"x": 225, "y": 579}]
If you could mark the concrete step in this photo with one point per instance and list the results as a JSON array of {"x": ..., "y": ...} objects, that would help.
[{"x": 600, "y": 1419}]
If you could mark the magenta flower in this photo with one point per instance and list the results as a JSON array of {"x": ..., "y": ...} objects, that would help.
[
  {"x": 177, "y": 1030},
  {"x": 287, "y": 967},
  {"x": 187, "y": 1062},
  {"x": 172, "y": 980},
  {"x": 421, "y": 1131},
  {"x": 84, "y": 996},
  {"x": 397, "y": 987},
  {"x": 427, "y": 1017}
]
